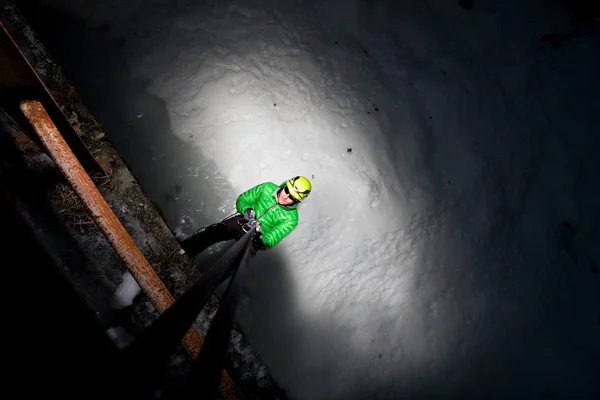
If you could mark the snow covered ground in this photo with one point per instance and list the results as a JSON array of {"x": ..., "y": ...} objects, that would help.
[{"x": 450, "y": 245}]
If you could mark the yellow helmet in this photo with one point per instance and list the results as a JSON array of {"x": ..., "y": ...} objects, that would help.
[{"x": 298, "y": 187}]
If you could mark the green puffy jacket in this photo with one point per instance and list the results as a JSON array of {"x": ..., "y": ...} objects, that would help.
[{"x": 276, "y": 220}]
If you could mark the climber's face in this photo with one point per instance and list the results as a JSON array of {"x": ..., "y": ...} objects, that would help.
[{"x": 284, "y": 198}]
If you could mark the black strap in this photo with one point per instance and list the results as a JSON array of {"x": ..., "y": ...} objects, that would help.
[
  {"x": 147, "y": 356},
  {"x": 205, "y": 376}
]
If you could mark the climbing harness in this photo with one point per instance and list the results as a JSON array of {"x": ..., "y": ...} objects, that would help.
[{"x": 255, "y": 222}]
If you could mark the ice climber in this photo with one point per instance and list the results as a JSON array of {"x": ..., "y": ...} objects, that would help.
[{"x": 272, "y": 208}]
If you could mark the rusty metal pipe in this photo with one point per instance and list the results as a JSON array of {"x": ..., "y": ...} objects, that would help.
[{"x": 107, "y": 221}]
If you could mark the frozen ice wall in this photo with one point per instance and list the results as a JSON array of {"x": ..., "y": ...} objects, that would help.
[{"x": 450, "y": 245}]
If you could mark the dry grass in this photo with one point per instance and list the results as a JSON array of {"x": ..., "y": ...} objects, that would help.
[
  {"x": 103, "y": 180},
  {"x": 70, "y": 205}
]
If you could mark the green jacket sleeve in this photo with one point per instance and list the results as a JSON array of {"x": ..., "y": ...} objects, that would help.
[
  {"x": 249, "y": 197},
  {"x": 278, "y": 232}
]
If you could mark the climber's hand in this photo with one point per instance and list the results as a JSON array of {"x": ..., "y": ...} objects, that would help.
[
  {"x": 249, "y": 214},
  {"x": 254, "y": 222}
]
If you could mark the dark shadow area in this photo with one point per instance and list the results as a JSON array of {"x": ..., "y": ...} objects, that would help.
[
  {"x": 54, "y": 337},
  {"x": 583, "y": 10},
  {"x": 267, "y": 289},
  {"x": 32, "y": 190}
]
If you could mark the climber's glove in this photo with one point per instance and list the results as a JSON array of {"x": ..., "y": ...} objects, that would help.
[{"x": 249, "y": 214}]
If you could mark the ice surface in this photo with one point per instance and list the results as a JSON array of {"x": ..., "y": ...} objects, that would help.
[
  {"x": 121, "y": 338},
  {"x": 126, "y": 292},
  {"x": 449, "y": 245}
]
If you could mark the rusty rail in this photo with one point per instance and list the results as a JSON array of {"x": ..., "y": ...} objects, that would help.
[{"x": 107, "y": 221}]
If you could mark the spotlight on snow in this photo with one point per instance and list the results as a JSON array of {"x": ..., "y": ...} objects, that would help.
[
  {"x": 445, "y": 146},
  {"x": 265, "y": 106}
]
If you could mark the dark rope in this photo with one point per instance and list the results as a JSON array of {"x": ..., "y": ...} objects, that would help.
[
  {"x": 147, "y": 356},
  {"x": 205, "y": 376}
]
